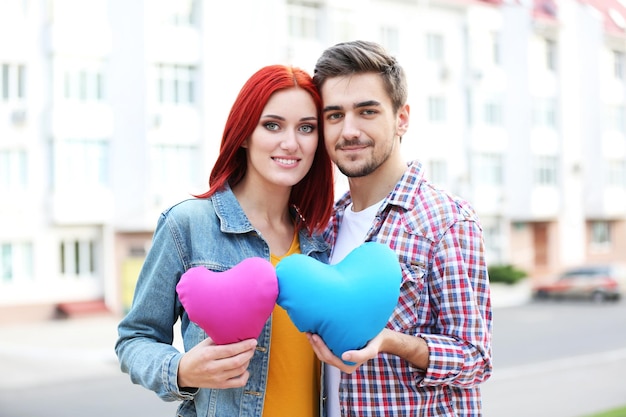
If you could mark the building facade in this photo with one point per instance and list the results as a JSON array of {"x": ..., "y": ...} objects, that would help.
[{"x": 112, "y": 110}]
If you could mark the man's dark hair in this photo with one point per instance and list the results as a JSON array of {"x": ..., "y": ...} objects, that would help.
[{"x": 357, "y": 57}]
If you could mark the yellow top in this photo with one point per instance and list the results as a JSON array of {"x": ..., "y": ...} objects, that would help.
[{"x": 293, "y": 383}]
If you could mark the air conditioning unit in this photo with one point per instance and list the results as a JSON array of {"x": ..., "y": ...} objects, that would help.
[
  {"x": 18, "y": 117},
  {"x": 444, "y": 73}
]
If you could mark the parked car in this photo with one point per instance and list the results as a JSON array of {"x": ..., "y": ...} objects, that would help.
[{"x": 594, "y": 282}]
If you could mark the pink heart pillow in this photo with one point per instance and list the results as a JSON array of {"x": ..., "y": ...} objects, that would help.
[{"x": 232, "y": 305}]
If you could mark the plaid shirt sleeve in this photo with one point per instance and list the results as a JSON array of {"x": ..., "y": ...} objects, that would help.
[
  {"x": 444, "y": 299},
  {"x": 460, "y": 348}
]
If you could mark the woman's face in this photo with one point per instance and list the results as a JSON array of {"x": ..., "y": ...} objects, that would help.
[{"x": 282, "y": 147}]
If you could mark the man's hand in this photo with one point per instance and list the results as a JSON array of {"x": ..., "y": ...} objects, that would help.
[
  {"x": 359, "y": 356},
  {"x": 411, "y": 348},
  {"x": 208, "y": 365}
]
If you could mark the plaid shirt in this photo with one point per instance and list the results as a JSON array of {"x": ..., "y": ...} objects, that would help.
[{"x": 444, "y": 299}]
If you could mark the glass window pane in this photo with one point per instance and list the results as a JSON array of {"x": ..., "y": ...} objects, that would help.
[
  {"x": 5, "y": 81},
  {"x": 6, "y": 262}
]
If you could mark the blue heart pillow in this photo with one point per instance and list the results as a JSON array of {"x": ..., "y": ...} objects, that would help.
[{"x": 346, "y": 304}]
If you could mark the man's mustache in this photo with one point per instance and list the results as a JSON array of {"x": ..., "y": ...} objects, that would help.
[{"x": 353, "y": 143}]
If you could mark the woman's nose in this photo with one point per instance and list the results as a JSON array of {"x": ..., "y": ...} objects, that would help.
[{"x": 289, "y": 142}]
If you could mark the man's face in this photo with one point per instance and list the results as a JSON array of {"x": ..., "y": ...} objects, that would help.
[{"x": 361, "y": 129}]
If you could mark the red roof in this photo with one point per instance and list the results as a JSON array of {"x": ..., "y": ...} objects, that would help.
[
  {"x": 545, "y": 10},
  {"x": 613, "y": 13}
]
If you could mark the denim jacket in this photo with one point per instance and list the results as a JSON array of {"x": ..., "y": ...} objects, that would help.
[{"x": 214, "y": 233}]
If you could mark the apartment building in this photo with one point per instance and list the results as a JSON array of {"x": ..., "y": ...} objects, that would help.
[{"x": 112, "y": 110}]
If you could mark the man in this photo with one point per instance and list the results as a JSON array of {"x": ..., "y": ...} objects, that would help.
[{"x": 436, "y": 347}]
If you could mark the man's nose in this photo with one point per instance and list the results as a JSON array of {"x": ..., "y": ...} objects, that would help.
[{"x": 350, "y": 128}]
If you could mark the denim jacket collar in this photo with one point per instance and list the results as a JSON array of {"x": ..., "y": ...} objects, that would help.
[{"x": 234, "y": 220}]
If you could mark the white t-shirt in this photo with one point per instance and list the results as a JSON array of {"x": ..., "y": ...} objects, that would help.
[{"x": 352, "y": 233}]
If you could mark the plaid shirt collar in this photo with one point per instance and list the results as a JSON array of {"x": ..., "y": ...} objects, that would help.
[{"x": 402, "y": 196}]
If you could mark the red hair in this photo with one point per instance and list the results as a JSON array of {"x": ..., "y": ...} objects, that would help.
[{"x": 313, "y": 195}]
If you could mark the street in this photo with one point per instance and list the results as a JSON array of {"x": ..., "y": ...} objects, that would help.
[
  {"x": 557, "y": 359},
  {"x": 552, "y": 359}
]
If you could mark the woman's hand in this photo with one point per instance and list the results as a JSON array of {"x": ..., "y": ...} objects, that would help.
[{"x": 208, "y": 365}]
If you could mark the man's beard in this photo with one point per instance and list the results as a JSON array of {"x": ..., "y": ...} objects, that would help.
[
  {"x": 366, "y": 167},
  {"x": 359, "y": 171}
]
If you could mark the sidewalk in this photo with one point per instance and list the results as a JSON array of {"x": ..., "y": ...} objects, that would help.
[
  {"x": 49, "y": 351},
  {"x": 504, "y": 295}
]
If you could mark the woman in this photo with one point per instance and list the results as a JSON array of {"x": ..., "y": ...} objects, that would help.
[{"x": 270, "y": 195}]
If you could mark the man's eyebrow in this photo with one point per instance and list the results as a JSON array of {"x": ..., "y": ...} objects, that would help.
[
  {"x": 367, "y": 103},
  {"x": 331, "y": 108}
]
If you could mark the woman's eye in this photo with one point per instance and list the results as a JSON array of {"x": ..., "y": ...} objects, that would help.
[
  {"x": 307, "y": 128},
  {"x": 271, "y": 126}
]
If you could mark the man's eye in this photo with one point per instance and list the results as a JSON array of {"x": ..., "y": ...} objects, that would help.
[
  {"x": 368, "y": 112},
  {"x": 334, "y": 116},
  {"x": 271, "y": 126}
]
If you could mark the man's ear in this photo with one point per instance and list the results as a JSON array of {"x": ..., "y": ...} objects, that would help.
[{"x": 402, "y": 120}]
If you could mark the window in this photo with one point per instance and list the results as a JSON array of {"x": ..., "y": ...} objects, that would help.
[
  {"x": 303, "y": 20},
  {"x": 178, "y": 13},
  {"x": 81, "y": 162},
  {"x": 83, "y": 84},
  {"x": 12, "y": 82},
  {"x": 77, "y": 258},
  {"x": 342, "y": 24},
  {"x": 436, "y": 109},
  {"x": 600, "y": 233},
  {"x": 488, "y": 168},
  {"x": 434, "y": 47},
  {"x": 438, "y": 171},
  {"x": 13, "y": 169},
  {"x": 469, "y": 107},
  {"x": 551, "y": 55},
  {"x": 176, "y": 84},
  {"x": 546, "y": 169},
  {"x": 616, "y": 118},
  {"x": 16, "y": 261},
  {"x": 616, "y": 172},
  {"x": 495, "y": 49},
  {"x": 544, "y": 112},
  {"x": 390, "y": 38},
  {"x": 72, "y": 13},
  {"x": 173, "y": 164},
  {"x": 493, "y": 238},
  {"x": 13, "y": 10},
  {"x": 618, "y": 65},
  {"x": 493, "y": 113}
]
